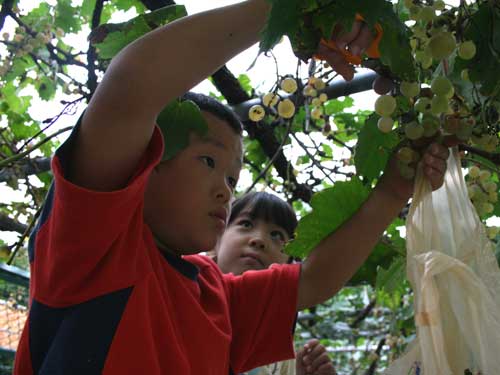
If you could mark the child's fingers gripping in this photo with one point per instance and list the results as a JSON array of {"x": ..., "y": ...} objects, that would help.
[
  {"x": 343, "y": 40},
  {"x": 434, "y": 166},
  {"x": 315, "y": 357},
  {"x": 337, "y": 61},
  {"x": 322, "y": 365},
  {"x": 362, "y": 42},
  {"x": 326, "y": 369}
]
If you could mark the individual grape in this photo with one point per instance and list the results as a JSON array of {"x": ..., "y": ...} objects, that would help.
[
  {"x": 5, "y": 36},
  {"x": 442, "y": 45},
  {"x": 487, "y": 208},
  {"x": 427, "y": 14},
  {"x": 442, "y": 86},
  {"x": 480, "y": 196},
  {"x": 474, "y": 171},
  {"x": 467, "y": 50},
  {"x": 316, "y": 102},
  {"x": 385, "y": 105},
  {"x": 289, "y": 85},
  {"x": 323, "y": 97},
  {"x": 319, "y": 84},
  {"x": 492, "y": 232},
  {"x": 409, "y": 89},
  {"x": 424, "y": 59},
  {"x": 439, "y": 104},
  {"x": 316, "y": 113},
  {"x": 491, "y": 144},
  {"x": 423, "y": 105},
  {"x": 256, "y": 113},
  {"x": 286, "y": 109},
  {"x": 472, "y": 190},
  {"x": 408, "y": 3},
  {"x": 405, "y": 155},
  {"x": 490, "y": 186},
  {"x": 309, "y": 91},
  {"x": 493, "y": 197},
  {"x": 385, "y": 124},
  {"x": 430, "y": 124},
  {"x": 464, "y": 74},
  {"x": 414, "y": 130},
  {"x": 382, "y": 85},
  {"x": 270, "y": 99},
  {"x": 484, "y": 175}
]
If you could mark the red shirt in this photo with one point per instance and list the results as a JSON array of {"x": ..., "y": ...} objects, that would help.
[{"x": 105, "y": 300}]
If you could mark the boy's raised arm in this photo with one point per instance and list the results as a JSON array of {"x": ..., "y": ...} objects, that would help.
[
  {"x": 333, "y": 262},
  {"x": 144, "y": 77}
]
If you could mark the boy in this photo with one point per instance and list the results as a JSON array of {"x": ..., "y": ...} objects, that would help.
[{"x": 104, "y": 298}]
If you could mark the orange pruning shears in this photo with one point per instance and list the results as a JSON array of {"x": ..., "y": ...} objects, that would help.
[{"x": 372, "y": 51}]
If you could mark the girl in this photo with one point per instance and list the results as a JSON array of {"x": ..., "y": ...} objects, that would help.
[{"x": 259, "y": 226}]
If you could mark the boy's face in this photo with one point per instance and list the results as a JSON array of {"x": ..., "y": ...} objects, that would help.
[
  {"x": 187, "y": 199},
  {"x": 250, "y": 244}
]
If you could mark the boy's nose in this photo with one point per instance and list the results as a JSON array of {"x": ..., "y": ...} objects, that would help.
[{"x": 224, "y": 193}]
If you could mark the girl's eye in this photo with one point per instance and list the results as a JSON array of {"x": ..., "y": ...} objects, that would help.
[
  {"x": 232, "y": 182},
  {"x": 209, "y": 161},
  {"x": 245, "y": 223},
  {"x": 277, "y": 235}
]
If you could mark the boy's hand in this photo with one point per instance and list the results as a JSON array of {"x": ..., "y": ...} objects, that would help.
[
  {"x": 312, "y": 359},
  {"x": 356, "y": 41},
  {"x": 434, "y": 166}
]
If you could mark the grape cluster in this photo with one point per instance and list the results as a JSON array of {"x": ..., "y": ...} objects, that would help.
[
  {"x": 285, "y": 107},
  {"x": 22, "y": 43},
  {"x": 432, "y": 107},
  {"x": 482, "y": 191},
  {"x": 272, "y": 100}
]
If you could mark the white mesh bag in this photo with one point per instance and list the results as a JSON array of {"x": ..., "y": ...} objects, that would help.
[{"x": 456, "y": 282}]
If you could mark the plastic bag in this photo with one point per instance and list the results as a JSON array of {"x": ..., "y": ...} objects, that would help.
[{"x": 456, "y": 283}]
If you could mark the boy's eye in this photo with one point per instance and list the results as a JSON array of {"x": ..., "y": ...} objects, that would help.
[{"x": 209, "y": 161}]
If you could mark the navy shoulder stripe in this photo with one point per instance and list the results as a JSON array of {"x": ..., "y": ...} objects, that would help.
[{"x": 75, "y": 340}]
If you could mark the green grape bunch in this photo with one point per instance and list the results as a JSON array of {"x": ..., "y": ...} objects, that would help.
[{"x": 482, "y": 190}]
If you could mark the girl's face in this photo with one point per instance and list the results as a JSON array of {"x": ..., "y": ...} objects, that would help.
[{"x": 250, "y": 244}]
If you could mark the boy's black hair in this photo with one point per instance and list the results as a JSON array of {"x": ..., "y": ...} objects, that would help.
[
  {"x": 216, "y": 108},
  {"x": 268, "y": 207}
]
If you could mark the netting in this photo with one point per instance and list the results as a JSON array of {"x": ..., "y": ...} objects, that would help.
[{"x": 14, "y": 296}]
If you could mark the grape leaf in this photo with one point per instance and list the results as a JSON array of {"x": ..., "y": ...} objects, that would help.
[
  {"x": 305, "y": 25},
  {"x": 110, "y": 38},
  {"x": 65, "y": 17},
  {"x": 283, "y": 19},
  {"x": 373, "y": 149},
  {"x": 177, "y": 121},
  {"x": 393, "y": 278},
  {"x": 331, "y": 207},
  {"x": 382, "y": 255}
]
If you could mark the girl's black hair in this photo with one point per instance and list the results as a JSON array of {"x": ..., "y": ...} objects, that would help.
[{"x": 268, "y": 207}]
